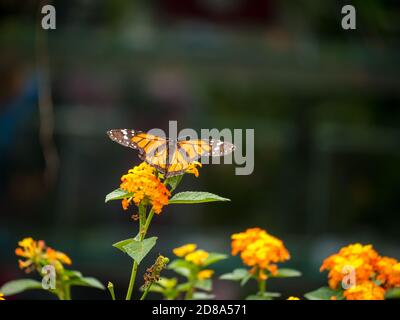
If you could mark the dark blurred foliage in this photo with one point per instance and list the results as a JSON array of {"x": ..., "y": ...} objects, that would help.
[{"x": 324, "y": 104}]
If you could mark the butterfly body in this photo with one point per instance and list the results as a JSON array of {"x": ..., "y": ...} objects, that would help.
[{"x": 170, "y": 156}]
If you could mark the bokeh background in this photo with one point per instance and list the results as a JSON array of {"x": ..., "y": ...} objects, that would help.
[{"x": 324, "y": 103}]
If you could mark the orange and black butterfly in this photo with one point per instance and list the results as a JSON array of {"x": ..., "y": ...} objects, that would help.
[{"x": 170, "y": 157}]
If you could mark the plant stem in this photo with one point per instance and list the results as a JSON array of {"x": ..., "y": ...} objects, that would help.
[
  {"x": 132, "y": 280},
  {"x": 142, "y": 234},
  {"x": 146, "y": 292},
  {"x": 189, "y": 293},
  {"x": 60, "y": 294},
  {"x": 110, "y": 288},
  {"x": 142, "y": 217},
  {"x": 147, "y": 224},
  {"x": 67, "y": 292},
  {"x": 262, "y": 286},
  {"x": 192, "y": 281}
]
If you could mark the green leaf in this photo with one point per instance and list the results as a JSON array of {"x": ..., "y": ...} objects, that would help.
[
  {"x": 174, "y": 181},
  {"x": 393, "y": 293},
  {"x": 202, "y": 296},
  {"x": 86, "y": 282},
  {"x": 205, "y": 284},
  {"x": 235, "y": 275},
  {"x": 137, "y": 250},
  {"x": 272, "y": 294},
  {"x": 17, "y": 286},
  {"x": 118, "y": 194},
  {"x": 286, "y": 273},
  {"x": 72, "y": 273},
  {"x": 183, "y": 272},
  {"x": 167, "y": 282},
  {"x": 190, "y": 197},
  {"x": 214, "y": 257},
  {"x": 179, "y": 263},
  {"x": 246, "y": 278},
  {"x": 156, "y": 288},
  {"x": 120, "y": 244},
  {"x": 181, "y": 267},
  {"x": 167, "y": 287},
  {"x": 323, "y": 293},
  {"x": 264, "y": 296},
  {"x": 257, "y": 297},
  {"x": 183, "y": 287}
]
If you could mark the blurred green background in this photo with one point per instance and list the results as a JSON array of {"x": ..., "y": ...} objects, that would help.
[{"x": 324, "y": 103}]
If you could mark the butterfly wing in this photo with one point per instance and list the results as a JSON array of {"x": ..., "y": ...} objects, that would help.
[
  {"x": 144, "y": 142},
  {"x": 170, "y": 157},
  {"x": 157, "y": 156},
  {"x": 185, "y": 152},
  {"x": 195, "y": 149},
  {"x": 123, "y": 137},
  {"x": 147, "y": 144}
]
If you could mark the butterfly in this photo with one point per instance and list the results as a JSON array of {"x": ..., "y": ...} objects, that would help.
[{"x": 170, "y": 157}]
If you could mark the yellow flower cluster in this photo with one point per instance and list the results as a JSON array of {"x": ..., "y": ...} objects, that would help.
[
  {"x": 2, "y": 296},
  {"x": 146, "y": 188},
  {"x": 292, "y": 298},
  {"x": 197, "y": 257},
  {"x": 184, "y": 250},
  {"x": 368, "y": 266},
  {"x": 37, "y": 254},
  {"x": 259, "y": 250}
]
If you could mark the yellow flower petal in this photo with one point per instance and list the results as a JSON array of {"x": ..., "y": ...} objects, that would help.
[
  {"x": 192, "y": 168},
  {"x": 197, "y": 257},
  {"x": 205, "y": 274},
  {"x": 184, "y": 250},
  {"x": 36, "y": 254}
]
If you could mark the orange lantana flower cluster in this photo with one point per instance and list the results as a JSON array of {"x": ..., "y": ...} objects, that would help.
[
  {"x": 373, "y": 274},
  {"x": 37, "y": 255},
  {"x": 146, "y": 188},
  {"x": 388, "y": 272},
  {"x": 367, "y": 290},
  {"x": 259, "y": 250}
]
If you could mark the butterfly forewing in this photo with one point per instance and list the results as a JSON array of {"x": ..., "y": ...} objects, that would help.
[
  {"x": 123, "y": 137},
  {"x": 221, "y": 148},
  {"x": 147, "y": 143},
  {"x": 193, "y": 150}
]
